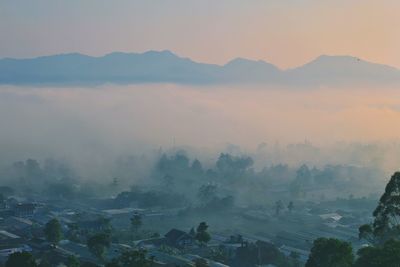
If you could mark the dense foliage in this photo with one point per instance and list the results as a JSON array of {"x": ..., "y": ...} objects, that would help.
[{"x": 330, "y": 252}]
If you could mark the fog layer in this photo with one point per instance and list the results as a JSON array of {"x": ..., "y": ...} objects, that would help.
[{"x": 90, "y": 124}]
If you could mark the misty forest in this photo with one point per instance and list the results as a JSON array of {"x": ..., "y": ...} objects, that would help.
[{"x": 160, "y": 134}]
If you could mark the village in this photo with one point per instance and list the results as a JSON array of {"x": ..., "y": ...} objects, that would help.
[{"x": 168, "y": 236}]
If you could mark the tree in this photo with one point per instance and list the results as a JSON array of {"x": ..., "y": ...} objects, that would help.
[
  {"x": 233, "y": 167},
  {"x": 386, "y": 223},
  {"x": 168, "y": 181},
  {"x": 387, "y": 255},
  {"x": 366, "y": 232},
  {"x": 136, "y": 222},
  {"x": 303, "y": 174},
  {"x": 21, "y": 259},
  {"x": 133, "y": 258},
  {"x": 202, "y": 235},
  {"x": 53, "y": 232},
  {"x": 295, "y": 258},
  {"x": 330, "y": 252},
  {"x": 196, "y": 167},
  {"x": 104, "y": 224},
  {"x": 72, "y": 261},
  {"x": 98, "y": 244},
  {"x": 207, "y": 192},
  {"x": 302, "y": 180},
  {"x": 73, "y": 233}
]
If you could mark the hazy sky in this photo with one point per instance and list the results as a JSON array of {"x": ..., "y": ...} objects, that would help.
[{"x": 284, "y": 32}]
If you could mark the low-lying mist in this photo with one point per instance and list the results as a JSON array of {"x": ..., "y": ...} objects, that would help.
[{"x": 92, "y": 126}]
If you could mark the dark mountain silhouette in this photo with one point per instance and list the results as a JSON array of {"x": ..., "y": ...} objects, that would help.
[
  {"x": 342, "y": 70},
  {"x": 164, "y": 66}
]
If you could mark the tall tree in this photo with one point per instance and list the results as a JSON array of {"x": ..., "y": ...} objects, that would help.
[
  {"x": 53, "y": 232},
  {"x": 98, "y": 244},
  {"x": 202, "y": 235},
  {"x": 196, "y": 167},
  {"x": 386, "y": 223},
  {"x": 136, "y": 222},
  {"x": 330, "y": 252}
]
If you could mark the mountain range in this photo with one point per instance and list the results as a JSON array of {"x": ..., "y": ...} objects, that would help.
[{"x": 166, "y": 67}]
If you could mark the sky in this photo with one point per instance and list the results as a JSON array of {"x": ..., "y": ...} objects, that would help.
[{"x": 287, "y": 33}]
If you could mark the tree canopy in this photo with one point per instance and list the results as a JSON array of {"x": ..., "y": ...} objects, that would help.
[
  {"x": 98, "y": 244},
  {"x": 330, "y": 252},
  {"x": 136, "y": 222},
  {"x": 387, "y": 255},
  {"x": 202, "y": 235},
  {"x": 386, "y": 223},
  {"x": 52, "y": 231},
  {"x": 21, "y": 259}
]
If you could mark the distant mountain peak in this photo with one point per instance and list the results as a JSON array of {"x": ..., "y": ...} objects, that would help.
[
  {"x": 343, "y": 60},
  {"x": 240, "y": 60},
  {"x": 248, "y": 64},
  {"x": 165, "y": 66}
]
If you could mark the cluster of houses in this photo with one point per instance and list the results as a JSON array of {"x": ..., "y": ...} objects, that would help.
[{"x": 22, "y": 223}]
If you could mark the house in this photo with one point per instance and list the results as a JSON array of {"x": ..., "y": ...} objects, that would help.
[
  {"x": 331, "y": 217},
  {"x": 39, "y": 244},
  {"x": 11, "y": 243},
  {"x": 122, "y": 212},
  {"x": 24, "y": 209},
  {"x": 17, "y": 225},
  {"x": 95, "y": 225},
  {"x": 210, "y": 263},
  {"x": 169, "y": 260},
  {"x": 230, "y": 249},
  {"x": 76, "y": 249},
  {"x": 150, "y": 243},
  {"x": 179, "y": 239},
  {"x": 9, "y": 239},
  {"x": 4, "y": 213}
]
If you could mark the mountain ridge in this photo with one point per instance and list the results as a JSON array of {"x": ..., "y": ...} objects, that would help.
[{"x": 165, "y": 66}]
